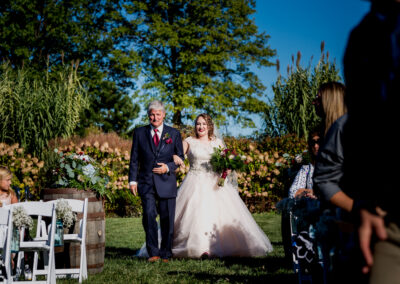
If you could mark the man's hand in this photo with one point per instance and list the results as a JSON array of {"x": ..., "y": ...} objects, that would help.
[
  {"x": 370, "y": 223},
  {"x": 133, "y": 189},
  {"x": 160, "y": 170}
]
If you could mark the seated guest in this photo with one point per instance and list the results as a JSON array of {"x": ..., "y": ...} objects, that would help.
[
  {"x": 7, "y": 195},
  {"x": 303, "y": 183}
]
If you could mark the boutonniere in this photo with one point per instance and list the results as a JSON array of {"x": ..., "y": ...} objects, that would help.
[{"x": 167, "y": 138}]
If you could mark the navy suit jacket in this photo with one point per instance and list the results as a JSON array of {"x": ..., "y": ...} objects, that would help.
[{"x": 145, "y": 156}]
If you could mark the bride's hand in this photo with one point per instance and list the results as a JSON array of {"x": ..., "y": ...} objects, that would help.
[{"x": 178, "y": 161}]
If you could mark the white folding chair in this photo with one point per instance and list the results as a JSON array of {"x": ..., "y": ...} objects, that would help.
[
  {"x": 43, "y": 244},
  {"x": 6, "y": 229},
  {"x": 80, "y": 207}
]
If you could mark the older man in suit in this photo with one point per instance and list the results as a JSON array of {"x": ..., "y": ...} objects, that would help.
[{"x": 152, "y": 175}]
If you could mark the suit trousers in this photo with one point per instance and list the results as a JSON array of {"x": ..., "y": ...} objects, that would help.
[
  {"x": 152, "y": 206},
  {"x": 386, "y": 267}
]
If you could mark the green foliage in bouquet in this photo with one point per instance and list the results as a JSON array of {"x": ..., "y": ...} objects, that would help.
[
  {"x": 227, "y": 159},
  {"x": 223, "y": 160}
]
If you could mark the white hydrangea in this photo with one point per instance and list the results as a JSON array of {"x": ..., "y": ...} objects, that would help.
[{"x": 64, "y": 213}]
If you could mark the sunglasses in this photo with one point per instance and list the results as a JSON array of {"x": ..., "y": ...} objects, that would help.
[{"x": 314, "y": 142}]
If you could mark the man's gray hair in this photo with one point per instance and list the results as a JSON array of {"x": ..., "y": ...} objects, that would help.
[{"x": 156, "y": 105}]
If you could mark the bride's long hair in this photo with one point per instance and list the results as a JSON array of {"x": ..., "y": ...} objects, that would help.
[{"x": 210, "y": 125}]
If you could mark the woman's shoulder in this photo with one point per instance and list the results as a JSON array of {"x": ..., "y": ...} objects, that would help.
[
  {"x": 217, "y": 142},
  {"x": 190, "y": 139}
]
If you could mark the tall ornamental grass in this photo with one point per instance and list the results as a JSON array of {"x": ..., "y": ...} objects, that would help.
[
  {"x": 35, "y": 108},
  {"x": 291, "y": 110}
]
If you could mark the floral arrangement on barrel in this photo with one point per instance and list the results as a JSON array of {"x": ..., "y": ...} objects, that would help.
[
  {"x": 223, "y": 160},
  {"x": 77, "y": 170}
]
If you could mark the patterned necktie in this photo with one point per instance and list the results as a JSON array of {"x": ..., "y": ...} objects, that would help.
[{"x": 155, "y": 137}]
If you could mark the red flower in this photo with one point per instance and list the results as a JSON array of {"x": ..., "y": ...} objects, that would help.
[{"x": 168, "y": 141}]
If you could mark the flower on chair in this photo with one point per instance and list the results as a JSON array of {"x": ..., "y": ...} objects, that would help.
[
  {"x": 21, "y": 218},
  {"x": 64, "y": 213}
]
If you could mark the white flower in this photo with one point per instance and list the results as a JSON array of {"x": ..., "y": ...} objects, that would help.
[
  {"x": 243, "y": 157},
  {"x": 231, "y": 157},
  {"x": 64, "y": 213},
  {"x": 298, "y": 158},
  {"x": 88, "y": 170},
  {"x": 21, "y": 218}
]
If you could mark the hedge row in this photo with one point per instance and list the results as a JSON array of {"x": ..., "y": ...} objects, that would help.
[{"x": 261, "y": 184}]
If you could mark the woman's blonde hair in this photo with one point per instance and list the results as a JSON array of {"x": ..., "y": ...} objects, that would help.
[
  {"x": 210, "y": 125},
  {"x": 333, "y": 102},
  {"x": 6, "y": 173}
]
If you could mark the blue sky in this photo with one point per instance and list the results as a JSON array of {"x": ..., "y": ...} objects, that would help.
[{"x": 301, "y": 25}]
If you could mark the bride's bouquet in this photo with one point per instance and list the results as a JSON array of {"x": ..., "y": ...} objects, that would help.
[{"x": 223, "y": 160}]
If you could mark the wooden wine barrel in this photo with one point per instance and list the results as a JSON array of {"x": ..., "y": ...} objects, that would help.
[{"x": 95, "y": 230}]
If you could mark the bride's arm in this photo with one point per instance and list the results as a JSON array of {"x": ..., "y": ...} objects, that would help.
[
  {"x": 177, "y": 160},
  {"x": 185, "y": 147}
]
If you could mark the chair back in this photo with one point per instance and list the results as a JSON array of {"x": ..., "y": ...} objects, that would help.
[
  {"x": 4, "y": 216},
  {"x": 37, "y": 208},
  {"x": 79, "y": 207},
  {"x": 6, "y": 229}
]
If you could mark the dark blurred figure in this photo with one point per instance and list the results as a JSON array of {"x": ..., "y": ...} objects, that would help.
[{"x": 368, "y": 138}]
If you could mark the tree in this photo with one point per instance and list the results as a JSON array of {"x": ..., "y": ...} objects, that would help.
[
  {"x": 291, "y": 110},
  {"x": 46, "y": 33},
  {"x": 196, "y": 56}
]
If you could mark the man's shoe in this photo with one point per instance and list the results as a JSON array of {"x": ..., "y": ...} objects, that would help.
[
  {"x": 165, "y": 260},
  {"x": 205, "y": 255},
  {"x": 153, "y": 259}
]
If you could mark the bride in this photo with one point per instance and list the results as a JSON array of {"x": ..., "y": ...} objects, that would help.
[{"x": 212, "y": 221}]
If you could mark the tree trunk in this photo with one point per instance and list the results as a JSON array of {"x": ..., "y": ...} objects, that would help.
[{"x": 177, "y": 119}]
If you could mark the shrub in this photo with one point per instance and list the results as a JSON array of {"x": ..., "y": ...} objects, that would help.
[
  {"x": 28, "y": 171},
  {"x": 261, "y": 184}
]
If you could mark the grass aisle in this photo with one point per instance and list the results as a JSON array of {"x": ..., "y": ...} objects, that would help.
[{"x": 125, "y": 235}]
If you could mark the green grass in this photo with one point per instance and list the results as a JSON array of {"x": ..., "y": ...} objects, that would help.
[{"x": 125, "y": 235}]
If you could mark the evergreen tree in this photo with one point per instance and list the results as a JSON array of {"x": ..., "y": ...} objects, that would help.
[
  {"x": 196, "y": 56},
  {"x": 45, "y": 33}
]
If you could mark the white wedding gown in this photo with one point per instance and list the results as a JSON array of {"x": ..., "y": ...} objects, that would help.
[{"x": 212, "y": 219}]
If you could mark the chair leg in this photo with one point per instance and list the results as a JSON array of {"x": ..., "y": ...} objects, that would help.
[
  {"x": 51, "y": 275},
  {"x": 35, "y": 264},
  {"x": 83, "y": 264},
  {"x": 21, "y": 255}
]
